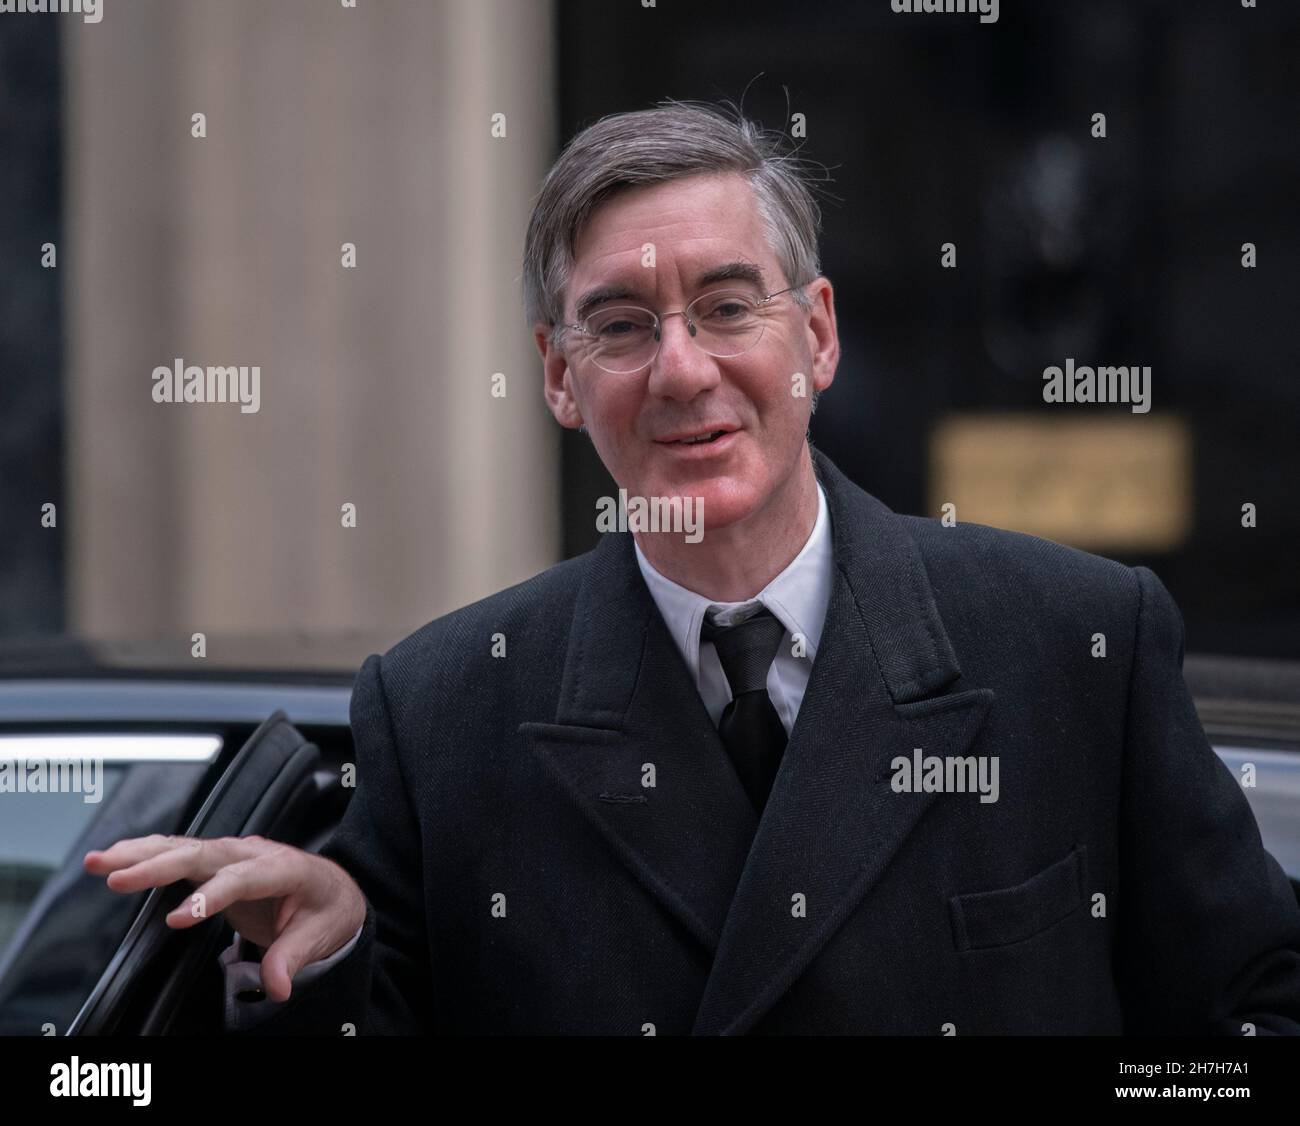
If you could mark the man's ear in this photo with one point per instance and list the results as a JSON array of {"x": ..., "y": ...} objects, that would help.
[
  {"x": 823, "y": 335},
  {"x": 557, "y": 379}
]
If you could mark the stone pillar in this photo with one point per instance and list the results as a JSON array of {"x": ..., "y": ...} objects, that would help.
[{"x": 325, "y": 125}]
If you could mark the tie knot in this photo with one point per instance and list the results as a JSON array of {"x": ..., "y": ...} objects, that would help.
[{"x": 746, "y": 649}]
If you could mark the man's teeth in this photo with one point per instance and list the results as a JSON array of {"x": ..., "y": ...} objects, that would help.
[{"x": 701, "y": 438}]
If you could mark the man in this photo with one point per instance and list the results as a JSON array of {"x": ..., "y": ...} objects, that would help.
[{"x": 825, "y": 769}]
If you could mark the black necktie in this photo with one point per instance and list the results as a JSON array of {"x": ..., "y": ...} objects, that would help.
[{"x": 750, "y": 729}]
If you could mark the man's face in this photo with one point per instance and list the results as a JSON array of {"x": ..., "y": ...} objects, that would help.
[{"x": 695, "y": 224}]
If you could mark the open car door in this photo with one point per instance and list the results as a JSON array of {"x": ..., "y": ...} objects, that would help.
[{"x": 168, "y": 982}]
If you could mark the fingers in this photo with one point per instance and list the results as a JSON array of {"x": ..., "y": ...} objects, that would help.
[
  {"x": 143, "y": 862},
  {"x": 227, "y": 871},
  {"x": 100, "y": 862},
  {"x": 269, "y": 874}
]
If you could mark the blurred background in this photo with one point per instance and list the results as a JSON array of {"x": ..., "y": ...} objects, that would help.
[{"x": 128, "y": 243}]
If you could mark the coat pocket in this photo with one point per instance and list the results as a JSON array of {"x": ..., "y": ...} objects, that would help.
[{"x": 998, "y": 918}]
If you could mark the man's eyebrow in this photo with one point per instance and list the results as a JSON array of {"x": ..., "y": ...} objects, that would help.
[
  {"x": 598, "y": 296},
  {"x": 734, "y": 271},
  {"x": 738, "y": 270}
]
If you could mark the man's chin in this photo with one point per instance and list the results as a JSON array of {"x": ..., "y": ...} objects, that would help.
[{"x": 722, "y": 501}]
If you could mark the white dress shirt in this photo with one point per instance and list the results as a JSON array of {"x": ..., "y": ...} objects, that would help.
[{"x": 797, "y": 597}]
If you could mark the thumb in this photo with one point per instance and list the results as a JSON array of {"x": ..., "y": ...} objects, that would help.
[{"x": 282, "y": 960}]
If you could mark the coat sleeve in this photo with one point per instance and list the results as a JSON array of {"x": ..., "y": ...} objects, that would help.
[
  {"x": 1208, "y": 929},
  {"x": 384, "y": 986}
]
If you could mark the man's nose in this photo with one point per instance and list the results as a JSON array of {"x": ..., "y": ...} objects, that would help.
[{"x": 682, "y": 369}]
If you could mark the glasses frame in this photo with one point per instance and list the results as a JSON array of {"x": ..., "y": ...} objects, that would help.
[{"x": 690, "y": 326}]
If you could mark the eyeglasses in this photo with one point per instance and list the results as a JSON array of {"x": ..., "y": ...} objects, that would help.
[{"x": 622, "y": 339}]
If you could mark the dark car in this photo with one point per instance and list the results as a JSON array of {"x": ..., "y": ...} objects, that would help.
[{"x": 222, "y": 751}]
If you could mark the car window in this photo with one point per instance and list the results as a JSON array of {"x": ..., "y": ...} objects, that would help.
[
  {"x": 62, "y": 795},
  {"x": 36, "y": 837}
]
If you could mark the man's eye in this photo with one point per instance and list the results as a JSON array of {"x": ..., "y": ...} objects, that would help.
[
  {"x": 725, "y": 307},
  {"x": 728, "y": 313},
  {"x": 616, "y": 326},
  {"x": 730, "y": 310}
]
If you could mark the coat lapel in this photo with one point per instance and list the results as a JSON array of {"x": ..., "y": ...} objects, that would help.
[
  {"x": 833, "y": 821},
  {"x": 629, "y": 713}
]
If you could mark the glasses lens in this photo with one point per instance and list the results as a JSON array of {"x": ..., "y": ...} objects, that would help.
[
  {"x": 623, "y": 338},
  {"x": 728, "y": 322}
]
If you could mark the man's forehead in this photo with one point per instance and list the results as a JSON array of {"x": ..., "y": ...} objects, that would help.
[
  {"x": 703, "y": 205},
  {"x": 700, "y": 226}
]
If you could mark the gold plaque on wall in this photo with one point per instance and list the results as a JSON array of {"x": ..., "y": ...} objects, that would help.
[{"x": 1102, "y": 484}]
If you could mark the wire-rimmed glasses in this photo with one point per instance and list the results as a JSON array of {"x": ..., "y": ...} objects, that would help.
[{"x": 622, "y": 339}]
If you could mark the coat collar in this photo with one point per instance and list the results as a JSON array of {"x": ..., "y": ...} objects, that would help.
[{"x": 633, "y": 745}]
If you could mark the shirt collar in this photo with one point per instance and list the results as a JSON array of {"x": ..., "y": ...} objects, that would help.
[{"x": 797, "y": 597}]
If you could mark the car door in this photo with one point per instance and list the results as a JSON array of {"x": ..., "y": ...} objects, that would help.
[{"x": 162, "y": 981}]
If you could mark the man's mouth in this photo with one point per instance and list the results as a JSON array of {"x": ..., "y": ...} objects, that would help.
[{"x": 701, "y": 438}]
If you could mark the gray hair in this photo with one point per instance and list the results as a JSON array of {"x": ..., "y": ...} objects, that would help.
[{"x": 651, "y": 146}]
